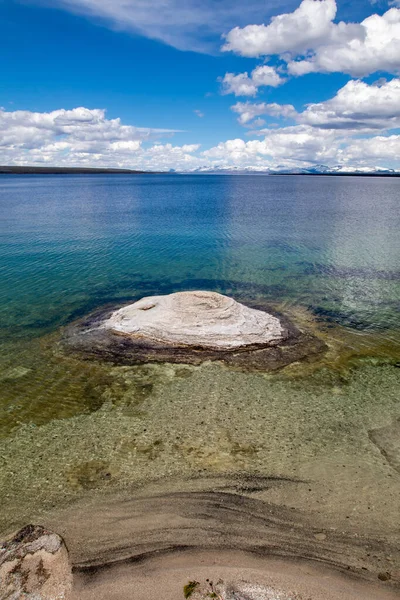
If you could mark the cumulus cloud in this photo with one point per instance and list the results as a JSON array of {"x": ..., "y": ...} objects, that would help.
[
  {"x": 81, "y": 136},
  {"x": 84, "y": 137},
  {"x": 308, "y": 40},
  {"x": 330, "y": 132},
  {"x": 375, "y": 48},
  {"x": 304, "y": 146},
  {"x": 247, "y": 111},
  {"x": 240, "y": 85},
  {"x": 376, "y": 150},
  {"x": 295, "y": 32},
  {"x": 357, "y": 106},
  {"x": 81, "y": 124},
  {"x": 265, "y": 75},
  {"x": 299, "y": 143},
  {"x": 245, "y": 85}
]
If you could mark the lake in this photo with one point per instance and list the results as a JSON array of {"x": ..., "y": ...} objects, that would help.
[{"x": 323, "y": 250}]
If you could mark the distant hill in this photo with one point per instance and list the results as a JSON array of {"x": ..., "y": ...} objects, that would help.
[
  {"x": 315, "y": 170},
  {"x": 62, "y": 170}
]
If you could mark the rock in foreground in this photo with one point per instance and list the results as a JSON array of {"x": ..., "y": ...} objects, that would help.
[
  {"x": 202, "y": 319},
  {"x": 34, "y": 564},
  {"x": 191, "y": 327}
]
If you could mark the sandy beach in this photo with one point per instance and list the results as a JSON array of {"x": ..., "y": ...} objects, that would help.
[
  {"x": 148, "y": 543},
  {"x": 264, "y": 578}
]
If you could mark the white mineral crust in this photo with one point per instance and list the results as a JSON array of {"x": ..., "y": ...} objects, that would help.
[{"x": 204, "y": 319}]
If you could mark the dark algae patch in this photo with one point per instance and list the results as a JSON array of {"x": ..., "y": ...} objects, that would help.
[
  {"x": 189, "y": 588},
  {"x": 88, "y": 475}
]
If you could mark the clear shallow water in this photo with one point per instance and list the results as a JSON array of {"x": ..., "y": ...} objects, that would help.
[{"x": 325, "y": 250}]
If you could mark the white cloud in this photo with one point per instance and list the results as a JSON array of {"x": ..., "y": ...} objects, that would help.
[
  {"x": 265, "y": 75},
  {"x": 309, "y": 41},
  {"x": 162, "y": 157},
  {"x": 358, "y": 105},
  {"x": 295, "y": 32},
  {"x": 240, "y": 85},
  {"x": 304, "y": 146},
  {"x": 125, "y": 146},
  {"x": 84, "y": 137},
  {"x": 27, "y": 128},
  {"x": 248, "y": 111},
  {"x": 376, "y": 150},
  {"x": 185, "y": 24},
  {"x": 245, "y": 85},
  {"x": 199, "y": 113},
  {"x": 376, "y": 48},
  {"x": 300, "y": 144}
]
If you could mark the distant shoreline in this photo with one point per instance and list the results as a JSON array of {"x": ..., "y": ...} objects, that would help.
[
  {"x": 16, "y": 170},
  {"x": 342, "y": 174},
  {"x": 5, "y": 170}
]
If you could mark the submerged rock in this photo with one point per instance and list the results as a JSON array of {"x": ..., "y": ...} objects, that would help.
[
  {"x": 14, "y": 373},
  {"x": 191, "y": 327},
  {"x": 387, "y": 440},
  {"x": 34, "y": 565}
]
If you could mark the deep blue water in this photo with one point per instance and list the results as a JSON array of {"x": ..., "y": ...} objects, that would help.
[{"x": 71, "y": 243}]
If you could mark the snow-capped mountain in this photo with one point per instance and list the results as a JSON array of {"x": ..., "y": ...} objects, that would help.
[{"x": 313, "y": 170}]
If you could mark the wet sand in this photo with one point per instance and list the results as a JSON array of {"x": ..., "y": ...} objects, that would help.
[
  {"x": 149, "y": 542},
  {"x": 266, "y": 578}
]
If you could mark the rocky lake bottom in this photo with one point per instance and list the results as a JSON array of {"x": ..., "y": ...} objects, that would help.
[{"x": 325, "y": 426}]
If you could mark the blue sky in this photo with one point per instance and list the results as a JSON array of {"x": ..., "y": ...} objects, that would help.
[{"x": 177, "y": 94}]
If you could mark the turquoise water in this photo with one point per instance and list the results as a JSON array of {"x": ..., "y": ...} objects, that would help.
[
  {"x": 325, "y": 250},
  {"x": 72, "y": 243}
]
